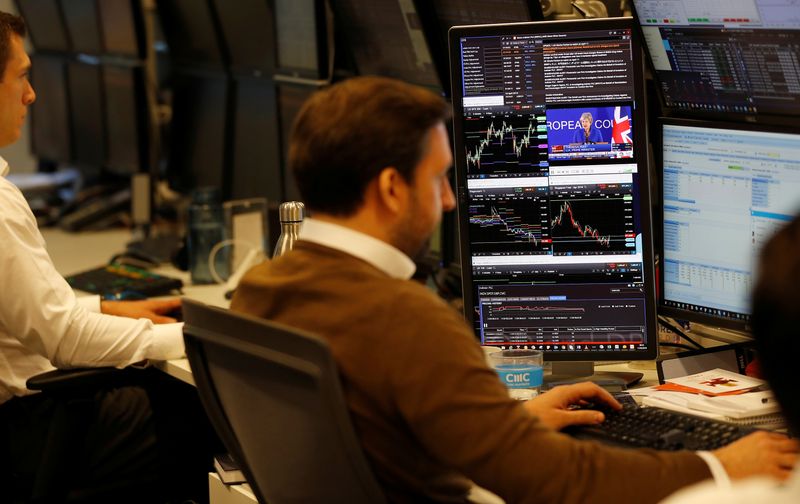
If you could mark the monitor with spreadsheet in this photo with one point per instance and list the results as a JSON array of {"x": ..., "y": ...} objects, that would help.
[
  {"x": 725, "y": 56},
  {"x": 727, "y": 188},
  {"x": 553, "y": 202}
]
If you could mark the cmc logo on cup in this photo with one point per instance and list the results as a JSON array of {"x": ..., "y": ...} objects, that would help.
[{"x": 517, "y": 377}]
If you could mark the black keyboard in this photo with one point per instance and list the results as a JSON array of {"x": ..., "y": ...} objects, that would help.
[
  {"x": 118, "y": 281},
  {"x": 660, "y": 429}
]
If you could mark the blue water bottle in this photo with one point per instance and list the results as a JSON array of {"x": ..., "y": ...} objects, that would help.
[{"x": 206, "y": 229}]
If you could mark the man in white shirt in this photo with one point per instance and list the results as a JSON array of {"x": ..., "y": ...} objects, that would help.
[
  {"x": 43, "y": 326},
  {"x": 776, "y": 328}
]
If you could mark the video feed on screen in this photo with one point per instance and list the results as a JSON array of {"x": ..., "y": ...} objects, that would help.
[{"x": 582, "y": 133}]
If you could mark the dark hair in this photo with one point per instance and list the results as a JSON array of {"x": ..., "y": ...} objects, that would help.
[
  {"x": 9, "y": 24},
  {"x": 346, "y": 134},
  {"x": 776, "y": 317}
]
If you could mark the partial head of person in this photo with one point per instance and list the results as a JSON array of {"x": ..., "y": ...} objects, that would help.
[
  {"x": 16, "y": 92},
  {"x": 586, "y": 120},
  {"x": 375, "y": 149},
  {"x": 776, "y": 317}
]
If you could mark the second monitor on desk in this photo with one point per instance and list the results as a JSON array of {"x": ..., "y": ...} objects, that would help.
[{"x": 727, "y": 188}]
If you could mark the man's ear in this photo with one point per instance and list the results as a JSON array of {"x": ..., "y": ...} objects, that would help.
[{"x": 393, "y": 190}]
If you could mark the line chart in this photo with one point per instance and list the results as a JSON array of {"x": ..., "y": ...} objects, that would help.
[
  {"x": 508, "y": 226},
  {"x": 505, "y": 144},
  {"x": 584, "y": 231},
  {"x": 591, "y": 225}
]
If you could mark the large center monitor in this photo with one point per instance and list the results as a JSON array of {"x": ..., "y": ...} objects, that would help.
[
  {"x": 727, "y": 188},
  {"x": 725, "y": 56},
  {"x": 553, "y": 200}
]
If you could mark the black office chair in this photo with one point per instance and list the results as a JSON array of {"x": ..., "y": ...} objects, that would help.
[
  {"x": 274, "y": 396},
  {"x": 74, "y": 391}
]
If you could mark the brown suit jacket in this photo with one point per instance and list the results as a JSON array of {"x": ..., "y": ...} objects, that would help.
[{"x": 428, "y": 410}]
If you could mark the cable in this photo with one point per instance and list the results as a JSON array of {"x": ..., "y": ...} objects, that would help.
[
  {"x": 663, "y": 321},
  {"x": 677, "y": 345},
  {"x": 212, "y": 256}
]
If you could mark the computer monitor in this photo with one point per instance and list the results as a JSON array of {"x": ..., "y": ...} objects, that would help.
[
  {"x": 126, "y": 119},
  {"x": 247, "y": 27},
  {"x": 725, "y": 57},
  {"x": 199, "y": 129},
  {"x": 45, "y": 24},
  {"x": 727, "y": 187},
  {"x": 255, "y": 158},
  {"x": 386, "y": 38},
  {"x": 191, "y": 32},
  {"x": 122, "y": 22},
  {"x": 87, "y": 98},
  {"x": 554, "y": 220},
  {"x": 83, "y": 25},
  {"x": 302, "y": 38},
  {"x": 50, "y": 121}
]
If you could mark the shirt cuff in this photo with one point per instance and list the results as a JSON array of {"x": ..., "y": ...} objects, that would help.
[
  {"x": 167, "y": 342},
  {"x": 89, "y": 303},
  {"x": 718, "y": 472}
]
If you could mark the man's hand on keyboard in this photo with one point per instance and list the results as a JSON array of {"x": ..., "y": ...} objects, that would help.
[
  {"x": 760, "y": 453},
  {"x": 555, "y": 408},
  {"x": 153, "y": 309}
]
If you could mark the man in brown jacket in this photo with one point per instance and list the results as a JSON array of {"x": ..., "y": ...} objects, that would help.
[{"x": 371, "y": 157}]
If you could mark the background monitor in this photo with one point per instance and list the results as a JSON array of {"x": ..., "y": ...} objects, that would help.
[
  {"x": 727, "y": 188},
  {"x": 555, "y": 229},
  {"x": 723, "y": 57},
  {"x": 45, "y": 24},
  {"x": 126, "y": 119},
  {"x": 87, "y": 119},
  {"x": 50, "y": 122},
  {"x": 83, "y": 24},
  {"x": 301, "y": 38},
  {"x": 198, "y": 131},
  {"x": 386, "y": 38},
  {"x": 255, "y": 159}
]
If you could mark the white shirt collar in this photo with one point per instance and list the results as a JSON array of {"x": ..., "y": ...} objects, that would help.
[
  {"x": 3, "y": 167},
  {"x": 378, "y": 253}
]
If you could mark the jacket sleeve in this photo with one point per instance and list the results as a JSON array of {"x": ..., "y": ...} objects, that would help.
[{"x": 462, "y": 414}]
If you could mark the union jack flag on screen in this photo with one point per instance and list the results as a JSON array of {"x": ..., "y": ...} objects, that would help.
[{"x": 621, "y": 129}]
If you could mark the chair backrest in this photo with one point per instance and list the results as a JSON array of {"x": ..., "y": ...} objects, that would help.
[{"x": 274, "y": 396}]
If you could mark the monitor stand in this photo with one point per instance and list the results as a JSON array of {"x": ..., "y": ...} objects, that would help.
[{"x": 572, "y": 372}]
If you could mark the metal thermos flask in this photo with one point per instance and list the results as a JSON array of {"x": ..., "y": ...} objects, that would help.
[{"x": 291, "y": 215}]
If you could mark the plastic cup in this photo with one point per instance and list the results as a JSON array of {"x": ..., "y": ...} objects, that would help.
[{"x": 520, "y": 370}]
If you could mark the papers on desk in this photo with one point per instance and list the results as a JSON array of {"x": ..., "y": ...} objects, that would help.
[
  {"x": 738, "y": 404},
  {"x": 715, "y": 382}
]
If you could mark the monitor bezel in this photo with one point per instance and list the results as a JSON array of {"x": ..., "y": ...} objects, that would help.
[
  {"x": 640, "y": 154},
  {"x": 663, "y": 308},
  {"x": 759, "y": 118}
]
